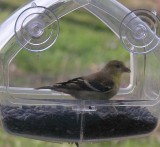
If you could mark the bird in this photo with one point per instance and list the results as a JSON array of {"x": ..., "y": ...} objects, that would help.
[{"x": 101, "y": 85}]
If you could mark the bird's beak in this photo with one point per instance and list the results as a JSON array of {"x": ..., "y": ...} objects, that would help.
[{"x": 126, "y": 69}]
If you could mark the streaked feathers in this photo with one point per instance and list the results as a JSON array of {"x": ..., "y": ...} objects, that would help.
[{"x": 100, "y": 85}]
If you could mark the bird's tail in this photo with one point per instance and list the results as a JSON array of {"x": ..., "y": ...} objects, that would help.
[
  {"x": 45, "y": 87},
  {"x": 53, "y": 87}
]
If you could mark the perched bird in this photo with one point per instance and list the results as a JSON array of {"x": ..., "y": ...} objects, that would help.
[{"x": 103, "y": 84}]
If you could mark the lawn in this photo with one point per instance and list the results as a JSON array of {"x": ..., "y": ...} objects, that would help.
[{"x": 83, "y": 46}]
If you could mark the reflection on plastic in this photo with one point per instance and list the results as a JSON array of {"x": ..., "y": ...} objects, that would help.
[
  {"x": 139, "y": 31},
  {"x": 37, "y": 28}
]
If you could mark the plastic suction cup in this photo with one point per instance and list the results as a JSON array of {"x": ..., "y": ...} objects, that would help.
[
  {"x": 139, "y": 31},
  {"x": 36, "y": 28}
]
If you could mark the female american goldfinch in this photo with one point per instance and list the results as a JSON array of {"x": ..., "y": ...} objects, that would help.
[{"x": 103, "y": 84}]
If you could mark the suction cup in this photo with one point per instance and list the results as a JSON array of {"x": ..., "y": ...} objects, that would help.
[
  {"x": 36, "y": 28},
  {"x": 139, "y": 31}
]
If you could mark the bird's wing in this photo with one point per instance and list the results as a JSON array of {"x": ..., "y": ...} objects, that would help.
[
  {"x": 84, "y": 85},
  {"x": 74, "y": 84},
  {"x": 102, "y": 86}
]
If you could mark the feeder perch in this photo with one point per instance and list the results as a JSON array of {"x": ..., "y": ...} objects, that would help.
[{"x": 47, "y": 115}]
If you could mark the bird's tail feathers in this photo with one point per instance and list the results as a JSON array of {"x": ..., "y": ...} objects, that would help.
[
  {"x": 53, "y": 87},
  {"x": 45, "y": 87}
]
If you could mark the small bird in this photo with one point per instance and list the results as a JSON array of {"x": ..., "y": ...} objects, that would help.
[{"x": 101, "y": 85}]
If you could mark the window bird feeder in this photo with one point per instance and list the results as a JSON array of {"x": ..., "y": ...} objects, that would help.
[{"x": 49, "y": 115}]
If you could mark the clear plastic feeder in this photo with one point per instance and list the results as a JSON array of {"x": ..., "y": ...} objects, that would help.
[{"x": 54, "y": 116}]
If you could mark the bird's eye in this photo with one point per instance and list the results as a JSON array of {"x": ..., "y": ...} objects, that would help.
[{"x": 118, "y": 66}]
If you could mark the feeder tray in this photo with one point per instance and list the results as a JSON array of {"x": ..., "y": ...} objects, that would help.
[{"x": 49, "y": 115}]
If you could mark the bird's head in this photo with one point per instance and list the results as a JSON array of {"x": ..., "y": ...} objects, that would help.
[{"x": 116, "y": 67}]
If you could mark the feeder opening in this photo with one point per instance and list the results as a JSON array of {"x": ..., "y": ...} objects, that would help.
[{"x": 70, "y": 64}]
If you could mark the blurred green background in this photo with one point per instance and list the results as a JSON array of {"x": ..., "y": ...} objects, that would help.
[{"x": 83, "y": 46}]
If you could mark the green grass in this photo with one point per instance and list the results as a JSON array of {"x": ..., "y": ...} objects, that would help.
[
  {"x": 9, "y": 6},
  {"x": 3, "y": 15}
]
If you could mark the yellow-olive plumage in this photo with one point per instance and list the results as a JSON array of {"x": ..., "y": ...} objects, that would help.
[{"x": 103, "y": 84}]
